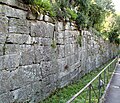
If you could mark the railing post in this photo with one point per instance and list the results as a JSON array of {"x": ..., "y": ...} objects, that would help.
[
  {"x": 104, "y": 78},
  {"x": 108, "y": 73},
  {"x": 90, "y": 93},
  {"x": 99, "y": 88}
]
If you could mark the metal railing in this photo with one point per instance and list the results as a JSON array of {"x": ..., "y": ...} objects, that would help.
[{"x": 94, "y": 90}]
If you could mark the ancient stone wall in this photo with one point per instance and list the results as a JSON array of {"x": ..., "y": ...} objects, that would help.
[{"x": 30, "y": 68}]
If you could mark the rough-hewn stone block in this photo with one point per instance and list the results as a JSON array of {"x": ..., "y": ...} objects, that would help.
[
  {"x": 3, "y": 38},
  {"x": 12, "y": 48},
  {"x": 25, "y": 75},
  {"x": 7, "y": 98},
  {"x": 19, "y": 39},
  {"x": 18, "y": 26},
  {"x": 47, "y": 68},
  {"x": 13, "y": 12},
  {"x": 27, "y": 55},
  {"x": 10, "y": 61},
  {"x": 5, "y": 83},
  {"x": 3, "y": 24},
  {"x": 61, "y": 51},
  {"x": 42, "y": 29}
]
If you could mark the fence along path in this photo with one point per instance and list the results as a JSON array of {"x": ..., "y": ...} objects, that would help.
[
  {"x": 105, "y": 73},
  {"x": 113, "y": 91}
]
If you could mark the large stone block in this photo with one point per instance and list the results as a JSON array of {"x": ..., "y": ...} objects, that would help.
[
  {"x": 3, "y": 24},
  {"x": 23, "y": 94},
  {"x": 19, "y": 39},
  {"x": 27, "y": 55},
  {"x": 3, "y": 38},
  {"x": 47, "y": 68},
  {"x": 13, "y": 12},
  {"x": 7, "y": 97},
  {"x": 12, "y": 48},
  {"x": 39, "y": 53},
  {"x": 42, "y": 29},
  {"x": 68, "y": 49},
  {"x": 37, "y": 92},
  {"x": 61, "y": 51},
  {"x": 47, "y": 90},
  {"x": 14, "y": 3},
  {"x": 5, "y": 83},
  {"x": 25, "y": 75},
  {"x": 18, "y": 26},
  {"x": 10, "y": 61},
  {"x": 48, "y": 54}
]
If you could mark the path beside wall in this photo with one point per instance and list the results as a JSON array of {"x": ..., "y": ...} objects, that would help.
[{"x": 30, "y": 68}]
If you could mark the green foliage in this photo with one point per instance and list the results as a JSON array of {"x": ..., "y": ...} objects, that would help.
[
  {"x": 41, "y": 7},
  {"x": 79, "y": 40},
  {"x": 83, "y": 10},
  {"x": 81, "y": 20},
  {"x": 86, "y": 13},
  {"x": 71, "y": 14},
  {"x": 114, "y": 34},
  {"x": 53, "y": 45}
]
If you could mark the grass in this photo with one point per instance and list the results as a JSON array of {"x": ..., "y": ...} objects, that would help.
[{"x": 64, "y": 94}]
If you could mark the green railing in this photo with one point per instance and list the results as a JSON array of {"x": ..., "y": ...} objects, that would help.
[{"x": 94, "y": 90}]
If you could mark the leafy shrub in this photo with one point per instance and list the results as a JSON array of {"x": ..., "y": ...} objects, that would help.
[{"x": 71, "y": 14}]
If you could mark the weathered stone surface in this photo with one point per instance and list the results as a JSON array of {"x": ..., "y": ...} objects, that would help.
[
  {"x": 5, "y": 83},
  {"x": 3, "y": 38},
  {"x": 25, "y": 75},
  {"x": 1, "y": 49},
  {"x": 9, "y": 61},
  {"x": 13, "y": 12},
  {"x": 67, "y": 49},
  {"x": 18, "y": 26},
  {"x": 12, "y": 48},
  {"x": 40, "y": 17},
  {"x": 19, "y": 39},
  {"x": 30, "y": 69},
  {"x": 47, "y": 68},
  {"x": 27, "y": 55},
  {"x": 42, "y": 29},
  {"x": 46, "y": 41},
  {"x": 3, "y": 24},
  {"x": 37, "y": 92},
  {"x": 23, "y": 94},
  {"x": 59, "y": 26},
  {"x": 7, "y": 98},
  {"x": 47, "y": 18},
  {"x": 64, "y": 80},
  {"x": 1, "y": 62},
  {"x": 15, "y": 3},
  {"x": 59, "y": 35},
  {"x": 67, "y": 26},
  {"x": 61, "y": 51}
]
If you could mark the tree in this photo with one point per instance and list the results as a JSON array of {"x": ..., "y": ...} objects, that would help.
[{"x": 114, "y": 34}]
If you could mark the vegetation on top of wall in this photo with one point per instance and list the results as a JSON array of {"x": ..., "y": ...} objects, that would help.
[{"x": 86, "y": 13}]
